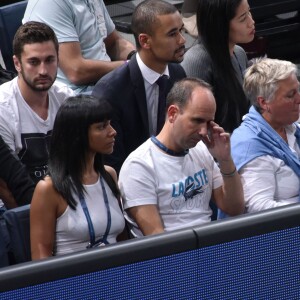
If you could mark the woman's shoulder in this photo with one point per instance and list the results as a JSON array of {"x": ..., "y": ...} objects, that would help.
[
  {"x": 241, "y": 57},
  {"x": 197, "y": 63},
  {"x": 240, "y": 52},
  {"x": 45, "y": 184},
  {"x": 197, "y": 51},
  {"x": 45, "y": 195},
  {"x": 112, "y": 172},
  {"x": 45, "y": 189}
]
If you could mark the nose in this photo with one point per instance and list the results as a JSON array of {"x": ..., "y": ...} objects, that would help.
[
  {"x": 203, "y": 130},
  {"x": 251, "y": 21},
  {"x": 112, "y": 131},
  {"x": 43, "y": 69},
  {"x": 182, "y": 39},
  {"x": 297, "y": 96}
]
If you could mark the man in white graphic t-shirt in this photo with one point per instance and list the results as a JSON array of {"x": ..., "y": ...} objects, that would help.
[
  {"x": 29, "y": 102},
  {"x": 168, "y": 182}
]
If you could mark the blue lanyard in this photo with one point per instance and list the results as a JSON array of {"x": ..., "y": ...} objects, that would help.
[
  {"x": 167, "y": 150},
  {"x": 103, "y": 240}
]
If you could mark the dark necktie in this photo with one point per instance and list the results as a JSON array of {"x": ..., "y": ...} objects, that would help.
[{"x": 161, "y": 108}]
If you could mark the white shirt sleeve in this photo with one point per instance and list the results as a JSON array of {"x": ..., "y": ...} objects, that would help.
[
  {"x": 268, "y": 183},
  {"x": 9, "y": 114},
  {"x": 137, "y": 184}
]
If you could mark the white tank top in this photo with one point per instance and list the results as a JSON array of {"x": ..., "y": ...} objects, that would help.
[{"x": 72, "y": 231}]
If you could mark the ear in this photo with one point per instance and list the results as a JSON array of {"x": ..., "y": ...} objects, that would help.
[
  {"x": 17, "y": 64},
  {"x": 263, "y": 104},
  {"x": 172, "y": 113},
  {"x": 144, "y": 40}
]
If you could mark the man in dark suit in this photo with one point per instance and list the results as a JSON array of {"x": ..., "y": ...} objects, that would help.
[{"x": 132, "y": 89}]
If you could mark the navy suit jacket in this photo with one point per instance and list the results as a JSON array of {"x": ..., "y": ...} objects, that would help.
[{"x": 124, "y": 89}]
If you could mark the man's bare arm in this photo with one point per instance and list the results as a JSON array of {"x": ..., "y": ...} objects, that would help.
[{"x": 147, "y": 218}]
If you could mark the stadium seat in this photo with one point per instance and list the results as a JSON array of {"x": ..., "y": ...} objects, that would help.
[
  {"x": 18, "y": 226},
  {"x": 4, "y": 261},
  {"x": 277, "y": 26},
  {"x": 10, "y": 20}
]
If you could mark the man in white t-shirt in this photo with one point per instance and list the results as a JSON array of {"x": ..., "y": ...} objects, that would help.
[
  {"x": 89, "y": 45},
  {"x": 29, "y": 102},
  {"x": 168, "y": 181}
]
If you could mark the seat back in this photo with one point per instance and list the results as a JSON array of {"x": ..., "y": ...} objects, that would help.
[
  {"x": 18, "y": 226},
  {"x": 4, "y": 260},
  {"x": 263, "y": 9},
  {"x": 10, "y": 20},
  {"x": 277, "y": 26}
]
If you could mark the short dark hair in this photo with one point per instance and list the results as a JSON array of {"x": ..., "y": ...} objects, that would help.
[
  {"x": 70, "y": 143},
  {"x": 30, "y": 33},
  {"x": 145, "y": 15},
  {"x": 182, "y": 90}
]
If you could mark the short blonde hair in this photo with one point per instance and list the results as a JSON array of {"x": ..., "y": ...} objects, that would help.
[{"x": 261, "y": 79}]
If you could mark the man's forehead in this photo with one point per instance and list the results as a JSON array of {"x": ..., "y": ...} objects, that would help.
[
  {"x": 202, "y": 94},
  {"x": 38, "y": 46},
  {"x": 169, "y": 20},
  {"x": 39, "y": 49},
  {"x": 201, "y": 102}
]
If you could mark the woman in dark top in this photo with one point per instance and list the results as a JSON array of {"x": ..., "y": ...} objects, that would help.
[{"x": 218, "y": 60}]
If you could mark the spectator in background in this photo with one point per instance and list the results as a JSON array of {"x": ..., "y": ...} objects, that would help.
[
  {"x": 133, "y": 89},
  {"x": 218, "y": 60},
  {"x": 76, "y": 206},
  {"x": 29, "y": 102},
  {"x": 265, "y": 148},
  {"x": 16, "y": 189},
  {"x": 167, "y": 182},
  {"x": 89, "y": 45},
  {"x": 16, "y": 186}
]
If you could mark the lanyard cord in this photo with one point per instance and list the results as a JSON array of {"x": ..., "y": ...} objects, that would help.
[
  {"x": 166, "y": 149},
  {"x": 89, "y": 221}
]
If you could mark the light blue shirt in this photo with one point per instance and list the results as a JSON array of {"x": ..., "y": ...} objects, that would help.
[{"x": 83, "y": 21}]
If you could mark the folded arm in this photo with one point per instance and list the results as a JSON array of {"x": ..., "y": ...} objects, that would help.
[
  {"x": 117, "y": 47},
  {"x": 82, "y": 71}
]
